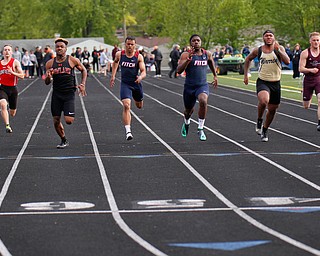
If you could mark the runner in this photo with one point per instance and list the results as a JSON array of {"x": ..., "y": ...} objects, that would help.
[
  {"x": 131, "y": 62},
  {"x": 60, "y": 70},
  {"x": 310, "y": 66},
  {"x": 270, "y": 56},
  {"x": 195, "y": 63},
  {"x": 10, "y": 71}
]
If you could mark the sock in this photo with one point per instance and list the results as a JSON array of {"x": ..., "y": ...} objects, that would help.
[
  {"x": 201, "y": 123},
  {"x": 318, "y": 122},
  {"x": 64, "y": 139},
  {"x": 187, "y": 121},
  {"x": 128, "y": 128},
  {"x": 264, "y": 129}
]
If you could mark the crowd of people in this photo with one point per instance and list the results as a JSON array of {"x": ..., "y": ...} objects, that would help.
[{"x": 192, "y": 62}]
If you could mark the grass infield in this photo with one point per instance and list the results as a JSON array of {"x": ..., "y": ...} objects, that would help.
[{"x": 290, "y": 88}]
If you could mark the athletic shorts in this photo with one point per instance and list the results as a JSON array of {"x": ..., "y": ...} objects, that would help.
[
  {"x": 10, "y": 94},
  {"x": 310, "y": 84},
  {"x": 274, "y": 89},
  {"x": 191, "y": 93},
  {"x": 63, "y": 102},
  {"x": 131, "y": 91}
]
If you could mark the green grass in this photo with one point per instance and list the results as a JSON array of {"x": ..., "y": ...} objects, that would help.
[{"x": 290, "y": 88}]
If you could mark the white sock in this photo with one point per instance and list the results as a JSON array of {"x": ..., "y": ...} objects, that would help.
[
  {"x": 201, "y": 123},
  {"x": 128, "y": 128},
  {"x": 187, "y": 121}
]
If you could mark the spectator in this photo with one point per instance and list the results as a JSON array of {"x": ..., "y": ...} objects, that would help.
[
  {"x": 158, "y": 59},
  {"x": 288, "y": 51},
  {"x": 26, "y": 62},
  {"x": 95, "y": 59},
  {"x": 85, "y": 55},
  {"x": 295, "y": 61},
  {"x": 48, "y": 56},
  {"x": 33, "y": 60},
  {"x": 39, "y": 65},
  {"x": 175, "y": 56},
  {"x": 114, "y": 51},
  {"x": 78, "y": 53},
  {"x": 245, "y": 51},
  {"x": 17, "y": 54}
]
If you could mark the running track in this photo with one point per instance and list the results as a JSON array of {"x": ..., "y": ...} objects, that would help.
[{"x": 159, "y": 194}]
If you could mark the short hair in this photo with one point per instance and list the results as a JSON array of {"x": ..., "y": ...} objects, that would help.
[
  {"x": 193, "y": 37},
  {"x": 314, "y": 34},
  {"x": 60, "y": 39},
  {"x": 267, "y": 31},
  {"x": 7, "y": 45},
  {"x": 131, "y": 38}
]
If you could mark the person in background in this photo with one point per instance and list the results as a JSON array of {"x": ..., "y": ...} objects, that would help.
[
  {"x": 131, "y": 62},
  {"x": 48, "y": 55},
  {"x": 26, "y": 62},
  {"x": 268, "y": 87},
  {"x": 95, "y": 59},
  {"x": 39, "y": 56},
  {"x": 295, "y": 61},
  {"x": 10, "y": 71},
  {"x": 310, "y": 66},
  {"x": 34, "y": 63},
  {"x": 175, "y": 56},
  {"x": 17, "y": 54},
  {"x": 158, "y": 59},
  {"x": 85, "y": 55}
]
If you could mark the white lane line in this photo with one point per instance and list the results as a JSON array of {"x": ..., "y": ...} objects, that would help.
[
  {"x": 282, "y": 168},
  {"x": 28, "y": 86},
  {"x": 222, "y": 209},
  {"x": 112, "y": 202},
  {"x": 216, "y": 192},
  {"x": 247, "y": 120},
  {"x": 5, "y": 188}
]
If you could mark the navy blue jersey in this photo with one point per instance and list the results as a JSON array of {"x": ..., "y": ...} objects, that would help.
[
  {"x": 63, "y": 76},
  {"x": 196, "y": 71},
  {"x": 129, "y": 68}
]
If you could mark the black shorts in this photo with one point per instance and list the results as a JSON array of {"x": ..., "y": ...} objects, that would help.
[
  {"x": 10, "y": 94},
  {"x": 63, "y": 102},
  {"x": 274, "y": 89}
]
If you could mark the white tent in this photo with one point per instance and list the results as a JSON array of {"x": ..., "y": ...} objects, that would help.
[{"x": 90, "y": 44}]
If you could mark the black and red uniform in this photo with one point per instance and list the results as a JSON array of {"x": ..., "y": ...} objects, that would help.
[{"x": 64, "y": 87}]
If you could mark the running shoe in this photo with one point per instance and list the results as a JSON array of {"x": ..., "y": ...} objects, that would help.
[
  {"x": 8, "y": 129},
  {"x": 264, "y": 135},
  {"x": 318, "y": 127},
  {"x": 63, "y": 144},
  {"x": 259, "y": 127},
  {"x": 129, "y": 136},
  {"x": 185, "y": 129},
  {"x": 202, "y": 135}
]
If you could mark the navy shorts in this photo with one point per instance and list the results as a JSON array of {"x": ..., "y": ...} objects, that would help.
[
  {"x": 63, "y": 102},
  {"x": 10, "y": 94},
  {"x": 310, "y": 85},
  {"x": 191, "y": 93},
  {"x": 274, "y": 89},
  {"x": 131, "y": 91}
]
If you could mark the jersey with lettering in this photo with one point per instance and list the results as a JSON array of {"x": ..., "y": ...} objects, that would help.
[
  {"x": 269, "y": 66},
  {"x": 5, "y": 77},
  {"x": 196, "y": 71},
  {"x": 63, "y": 76},
  {"x": 312, "y": 62},
  {"x": 129, "y": 67}
]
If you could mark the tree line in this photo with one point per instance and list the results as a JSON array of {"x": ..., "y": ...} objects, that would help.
[{"x": 235, "y": 22}]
